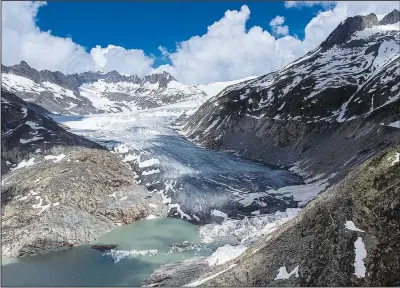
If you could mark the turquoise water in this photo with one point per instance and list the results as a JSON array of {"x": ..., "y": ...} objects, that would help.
[{"x": 84, "y": 266}]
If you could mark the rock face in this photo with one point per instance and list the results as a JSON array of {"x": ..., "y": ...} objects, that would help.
[
  {"x": 60, "y": 190},
  {"x": 104, "y": 248},
  {"x": 391, "y": 18},
  {"x": 28, "y": 133},
  {"x": 178, "y": 274},
  {"x": 91, "y": 92},
  {"x": 325, "y": 112},
  {"x": 347, "y": 28}
]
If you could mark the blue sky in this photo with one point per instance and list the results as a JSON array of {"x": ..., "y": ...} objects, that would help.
[
  {"x": 147, "y": 25},
  {"x": 203, "y": 42}
]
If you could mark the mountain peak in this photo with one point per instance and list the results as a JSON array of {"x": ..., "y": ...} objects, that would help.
[
  {"x": 23, "y": 63},
  {"x": 162, "y": 78},
  {"x": 391, "y": 18},
  {"x": 343, "y": 32}
]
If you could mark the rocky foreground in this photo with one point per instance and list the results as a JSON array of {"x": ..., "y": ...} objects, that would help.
[
  {"x": 60, "y": 190},
  {"x": 347, "y": 236}
]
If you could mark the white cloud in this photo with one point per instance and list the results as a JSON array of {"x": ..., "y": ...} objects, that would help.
[
  {"x": 277, "y": 27},
  {"x": 164, "y": 51},
  {"x": 23, "y": 40},
  {"x": 227, "y": 51},
  {"x": 127, "y": 61},
  {"x": 278, "y": 20}
]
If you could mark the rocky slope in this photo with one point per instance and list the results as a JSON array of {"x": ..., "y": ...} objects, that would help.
[
  {"x": 347, "y": 236},
  {"x": 326, "y": 112},
  {"x": 360, "y": 248},
  {"x": 59, "y": 189},
  {"x": 92, "y": 92}
]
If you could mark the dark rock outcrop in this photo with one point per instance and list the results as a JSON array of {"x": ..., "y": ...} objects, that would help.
[
  {"x": 27, "y": 132},
  {"x": 103, "y": 248},
  {"x": 391, "y": 18},
  {"x": 347, "y": 28}
]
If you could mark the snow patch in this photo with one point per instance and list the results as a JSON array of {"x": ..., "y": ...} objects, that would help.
[
  {"x": 361, "y": 254},
  {"x": 225, "y": 253},
  {"x": 302, "y": 193},
  {"x": 283, "y": 274},
  {"x": 351, "y": 226},
  {"x": 24, "y": 164},
  {"x": 55, "y": 158},
  {"x": 395, "y": 124},
  {"x": 150, "y": 172},
  {"x": 148, "y": 163},
  {"x": 33, "y": 139},
  {"x": 395, "y": 159}
]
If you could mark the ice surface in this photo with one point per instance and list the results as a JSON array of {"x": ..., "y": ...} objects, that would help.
[
  {"x": 119, "y": 255},
  {"x": 225, "y": 253}
]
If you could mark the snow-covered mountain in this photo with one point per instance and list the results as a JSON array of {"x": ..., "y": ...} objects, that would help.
[
  {"x": 91, "y": 92},
  {"x": 337, "y": 81},
  {"x": 353, "y": 75},
  {"x": 212, "y": 89}
]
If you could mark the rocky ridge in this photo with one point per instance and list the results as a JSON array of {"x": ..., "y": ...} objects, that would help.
[{"x": 94, "y": 92}]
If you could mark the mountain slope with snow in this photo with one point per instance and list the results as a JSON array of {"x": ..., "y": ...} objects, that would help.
[
  {"x": 336, "y": 99},
  {"x": 90, "y": 92},
  {"x": 214, "y": 88}
]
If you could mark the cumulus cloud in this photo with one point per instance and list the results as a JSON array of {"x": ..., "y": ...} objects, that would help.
[
  {"x": 23, "y": 40},
  {"x": 227, "y": 51},
  {"x": 127, "y": 61},
  {"x": 277, "y": 27},
  {"x": 278, "y": 20}
]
